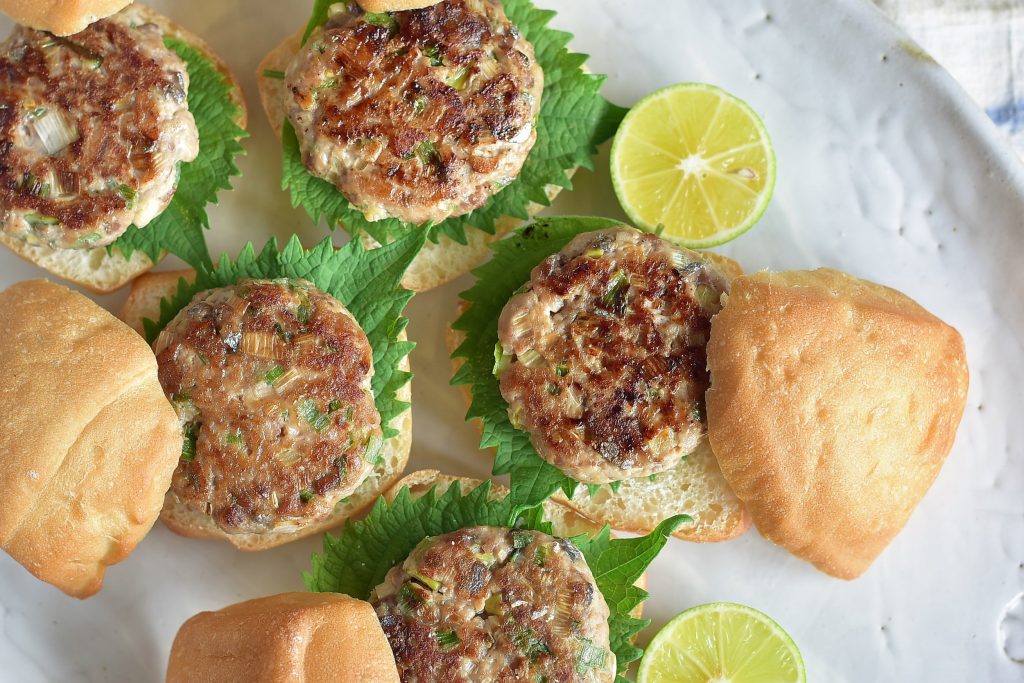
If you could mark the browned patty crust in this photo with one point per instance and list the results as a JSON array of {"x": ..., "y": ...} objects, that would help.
[
  {"x": 271, "y": 381},
  {"x": 490, "y": 604},
  {"x": 603, "y": 354},
  {"x": 92, "y": 128},
  {"x": 418, "y": 115}
]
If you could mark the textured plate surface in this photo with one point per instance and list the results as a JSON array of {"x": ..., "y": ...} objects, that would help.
[{"x": 885, "y": 170}]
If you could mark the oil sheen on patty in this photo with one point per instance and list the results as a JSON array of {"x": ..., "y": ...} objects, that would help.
[
  {"x": 92, "y": 128},
  {"x": 271, "y": 382},
  {"x": 417, "y": 115},
  {"x": 602, "y": 355},
  {"x": 489, "y": 605}
]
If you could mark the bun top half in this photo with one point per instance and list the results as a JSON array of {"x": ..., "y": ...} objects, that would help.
[
  {"x": 62, "y": 17},
  {"x": 89, "y": 441},
  {"x": 308, "y": 637},
  {"x": 833, "y": 404}
]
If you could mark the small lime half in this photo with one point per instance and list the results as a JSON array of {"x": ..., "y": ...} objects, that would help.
[
  {"x": 722, "y": 642},
  {"x": 696, "y": 162}
]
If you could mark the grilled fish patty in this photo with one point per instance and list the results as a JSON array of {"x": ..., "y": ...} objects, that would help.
[
  {"x": 92, "y": 128},
  {"x": 418, "y": 115},
  {"x": 490, "y": 604},
  {"x": 605, "y": 354},
  {"x": 271, "y": 382}
]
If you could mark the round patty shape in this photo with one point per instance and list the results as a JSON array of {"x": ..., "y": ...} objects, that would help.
[
  {"x": 92, "y": 128},
  {"x": 417, "y": 115},
  {"x": 602, "y": 355},
  {"x": 271, "y": 382},
  {"x": 490, "y": 604}
]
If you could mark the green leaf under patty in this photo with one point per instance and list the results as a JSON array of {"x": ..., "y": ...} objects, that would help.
[
  {"x": 574, "y": 119},
  {"x": 179, "y": 229},
  {"x": 368, "y": 283},
  {"x": 356, "y": 561},
  {"x": 533, "y": 479}
]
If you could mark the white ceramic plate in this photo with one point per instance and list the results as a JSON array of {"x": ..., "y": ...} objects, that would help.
[{"x": 886, "y": 170}]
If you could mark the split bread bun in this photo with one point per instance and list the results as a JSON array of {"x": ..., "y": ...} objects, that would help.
[
  {"x": 99, "y": 270},
  {"x": 694, "y": 487},
  {"x": 89, "y": 440},
  {"x": 833, "y": 404},
  {"x": 144, "y": 303},
  {"x": 296, "y": 637},
  {"x": 60, "y": 17},
  {"x": 438, "y": 262}
]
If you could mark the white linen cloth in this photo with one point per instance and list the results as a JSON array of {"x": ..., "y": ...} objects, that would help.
[{"x": 981, "y": 43}]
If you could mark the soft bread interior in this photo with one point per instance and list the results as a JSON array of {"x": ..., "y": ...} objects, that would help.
[
  {"x": 98, "y": 270},
  {"x": 438, "y": 262},
  {"x": 144, "y": 302},
  {"x": 308, "y": 637}
]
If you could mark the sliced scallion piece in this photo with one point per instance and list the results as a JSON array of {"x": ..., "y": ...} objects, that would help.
[
  {"x": 273, "y": 73},
  {"x": 311, "y": 414},
  {"x": 273, "y": 374},
  {"x": 447, "y": 640}
]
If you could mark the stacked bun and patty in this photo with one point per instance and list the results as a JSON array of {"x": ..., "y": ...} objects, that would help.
[
  {"x": 823, "y": 405},
  {"x": 96, "y": 125}
]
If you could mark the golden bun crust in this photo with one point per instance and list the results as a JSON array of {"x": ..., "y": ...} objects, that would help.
[
  {"x": 61, "y": 17},
  {"x": 438, "y": 262},
  {"x": 307, "y": 637},
  {"x": 833, "y": 404},
  {"x": 144, "y": 302},
  {"x": 98, "y": 270},
  {"x": 89, "y": 441},
  {"x": 394, "y": 5}
]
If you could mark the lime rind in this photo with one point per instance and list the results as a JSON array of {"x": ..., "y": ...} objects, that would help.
[
  {"x": 721, "y": 236},
  {"x": 666, "y": 641}
]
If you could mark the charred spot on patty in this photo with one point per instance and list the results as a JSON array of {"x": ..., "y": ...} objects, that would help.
[
  {"x": 604, "y": 360},
  {"x": 419, "y": 116},
  {"x": 271, "y": 382},
  {"x": 487, "y": 604},
  {"x": 92, "y": 129}
]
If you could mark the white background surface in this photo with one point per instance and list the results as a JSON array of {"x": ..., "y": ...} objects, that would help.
[{"x": 885, "y": 170}]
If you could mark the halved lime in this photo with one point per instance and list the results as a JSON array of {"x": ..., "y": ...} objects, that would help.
[
  {"x": 722, "y": 642},
  {"x": 697, "y": 161}
]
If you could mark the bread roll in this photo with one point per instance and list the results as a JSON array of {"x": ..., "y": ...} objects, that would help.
[
  {"x": 62, "y": 17},
  {"x": 833, "y": 404},
  {"x": 294, "y": 637},
  {"x": 89, "y": 441}
]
